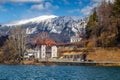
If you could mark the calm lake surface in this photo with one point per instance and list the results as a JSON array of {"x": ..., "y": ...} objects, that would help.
[{"x": 32, "y": 72}]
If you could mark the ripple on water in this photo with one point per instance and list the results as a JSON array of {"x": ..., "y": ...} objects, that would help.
[{"x": 32, "y": 72}]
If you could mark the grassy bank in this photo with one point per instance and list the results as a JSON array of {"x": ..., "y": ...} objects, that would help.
[{"x": 109, "y": 54}]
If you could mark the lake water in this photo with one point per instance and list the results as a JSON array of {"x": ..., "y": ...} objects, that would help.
[{"x": 32, "y": 72}]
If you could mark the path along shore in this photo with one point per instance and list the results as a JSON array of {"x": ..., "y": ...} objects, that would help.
[{"x": 73, "y": 63}]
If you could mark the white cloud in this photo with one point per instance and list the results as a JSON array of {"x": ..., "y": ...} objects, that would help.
[
  {"x": 2, "y": 8},
  {"x": 47, "y": 5},
  {"x": 66, "y": 2},
  {"x": 38, "y": 7},
  {"x": 21, "y": 1},
  {"x": 74, "y": 10},
  {"x": 44, "y": 6},
  {"x": 98, "y": 1},
  {"x": 94, "y": 3},
  {"x": 86, "y": 10}
]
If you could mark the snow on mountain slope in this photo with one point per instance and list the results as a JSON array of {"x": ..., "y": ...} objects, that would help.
[
  {"x": 30, "y": 30},
  {"x": 60, "y": 28},
  {"x": 32, "y": 20}
]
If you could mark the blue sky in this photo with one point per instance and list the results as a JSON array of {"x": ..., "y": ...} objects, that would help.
[{"x": 14, "y": 10}]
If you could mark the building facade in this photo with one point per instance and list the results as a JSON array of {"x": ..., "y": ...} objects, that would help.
[
  {"x": 30, "y": 54},
  {"x": 41, "y": 52},
  {"x": 54, "y": 53}
]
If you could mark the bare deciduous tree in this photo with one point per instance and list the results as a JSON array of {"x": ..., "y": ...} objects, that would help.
[{"x": 19, "y": 38}]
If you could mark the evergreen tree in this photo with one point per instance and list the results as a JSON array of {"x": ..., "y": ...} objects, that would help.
[
  {"x": 116, "y": 8},
  {"x": 116, "y": 12},
  {"x": 92, "y": 25}
]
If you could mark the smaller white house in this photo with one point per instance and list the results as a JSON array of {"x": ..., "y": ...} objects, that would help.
[
  {"x": 30, "y": 54},
  {"x": 75, "y": 39}
]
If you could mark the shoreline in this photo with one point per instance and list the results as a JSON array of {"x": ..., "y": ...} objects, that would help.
[
  {"x": 50, "y": 63},
  {"x": 67, "y": 63}
]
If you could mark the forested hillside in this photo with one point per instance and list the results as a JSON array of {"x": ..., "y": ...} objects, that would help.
[{"x": 104, "y": 25}]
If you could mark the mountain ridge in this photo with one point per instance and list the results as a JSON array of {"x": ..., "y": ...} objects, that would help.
[
  {"x": 35, "y": 19},
  {"x": 63, "y": 26}
]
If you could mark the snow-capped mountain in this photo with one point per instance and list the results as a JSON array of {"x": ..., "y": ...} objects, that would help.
[
  {"x": 60, "y": 28},
  {"x": 32, "y": 20}
]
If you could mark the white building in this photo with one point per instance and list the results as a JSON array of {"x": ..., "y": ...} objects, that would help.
[
  {"x": 54, "y": 53},
  {"x": 75, "y": 39},
  {"x": 43, "y": 51},
  {"x": 30, "y": 54}
]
